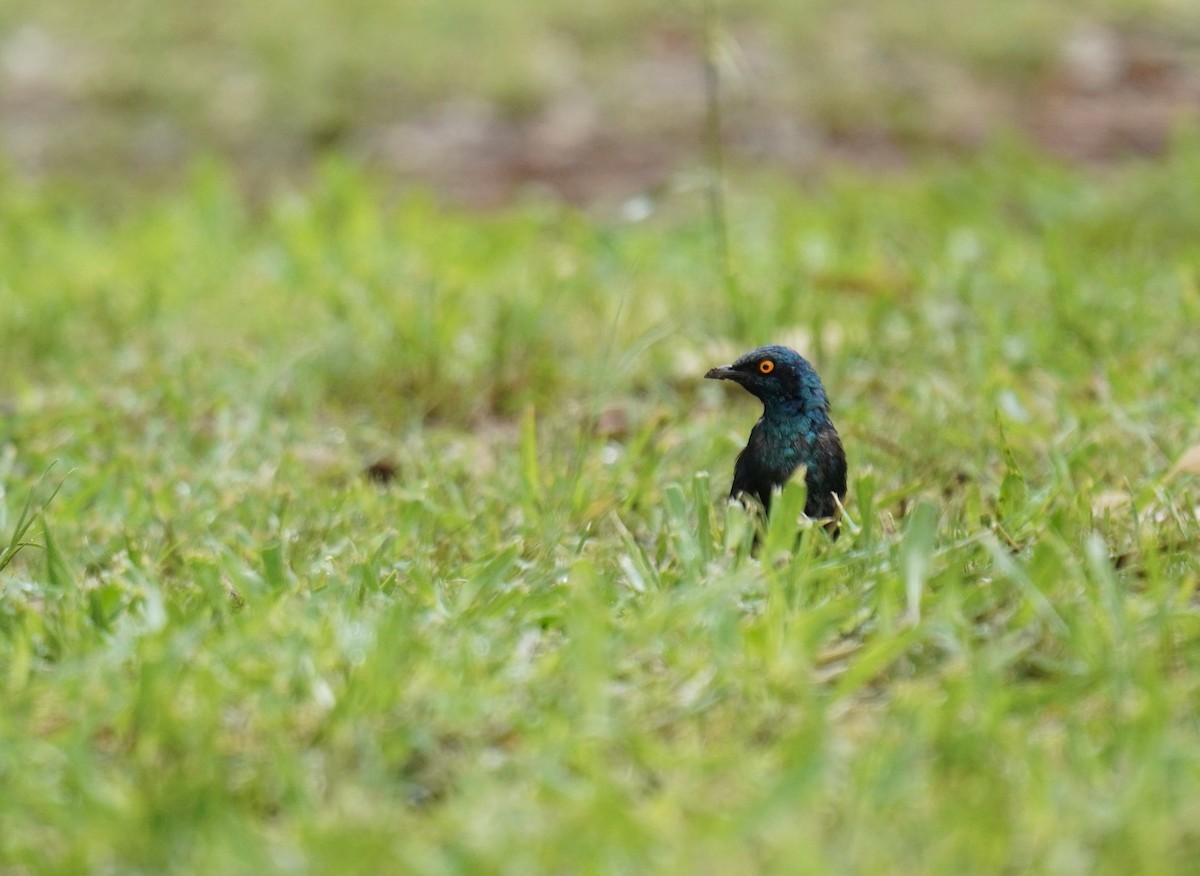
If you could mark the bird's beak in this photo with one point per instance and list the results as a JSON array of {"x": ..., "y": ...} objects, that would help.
[{"x": 721, "y": 372}]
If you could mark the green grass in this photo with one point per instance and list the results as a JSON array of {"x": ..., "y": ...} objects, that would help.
[
  {"x": 545, "y": 647},
  {"x": 134, "y": 91}
]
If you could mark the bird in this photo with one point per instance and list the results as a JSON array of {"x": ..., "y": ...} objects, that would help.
[{"x": 794, "y": 430}]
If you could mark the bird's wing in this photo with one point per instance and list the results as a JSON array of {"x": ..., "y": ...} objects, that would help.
[{"x": 826, "y": 473}]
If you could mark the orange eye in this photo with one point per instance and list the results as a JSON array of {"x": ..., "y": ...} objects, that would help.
[{"x": 766, "y": 366}]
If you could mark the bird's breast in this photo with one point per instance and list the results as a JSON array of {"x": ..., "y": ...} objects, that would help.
[{"x": 776, "y": 452}]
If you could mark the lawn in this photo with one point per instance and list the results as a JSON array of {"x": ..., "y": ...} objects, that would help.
[
  {"x": 392, "y": 538},
  {"x": 594, "y": 100}
]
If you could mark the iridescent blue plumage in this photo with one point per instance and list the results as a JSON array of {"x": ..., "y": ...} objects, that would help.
[{"x": 794, "y": 430}]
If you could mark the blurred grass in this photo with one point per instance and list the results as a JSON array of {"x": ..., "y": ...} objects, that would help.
[
  {"x": 544, "y": 646},
  {"x": 140, "y": 87}
]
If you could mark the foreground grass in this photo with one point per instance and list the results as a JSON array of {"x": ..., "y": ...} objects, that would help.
[{"x": 543, "y": 646}]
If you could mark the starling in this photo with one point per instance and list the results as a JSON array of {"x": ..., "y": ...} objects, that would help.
[{"x": 794, "y": 430}]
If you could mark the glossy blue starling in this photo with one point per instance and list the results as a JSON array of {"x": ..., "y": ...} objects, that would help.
[{"x": 794, "y": 430}]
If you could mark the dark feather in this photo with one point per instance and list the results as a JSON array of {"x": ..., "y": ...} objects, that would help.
[{"x": 794, "y": 431}]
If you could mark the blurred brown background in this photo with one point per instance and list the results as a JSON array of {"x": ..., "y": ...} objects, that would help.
[{"x": 480, "y": 100}]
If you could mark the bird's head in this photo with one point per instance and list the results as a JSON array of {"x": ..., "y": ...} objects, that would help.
[{"x": 779, "y": 376}]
